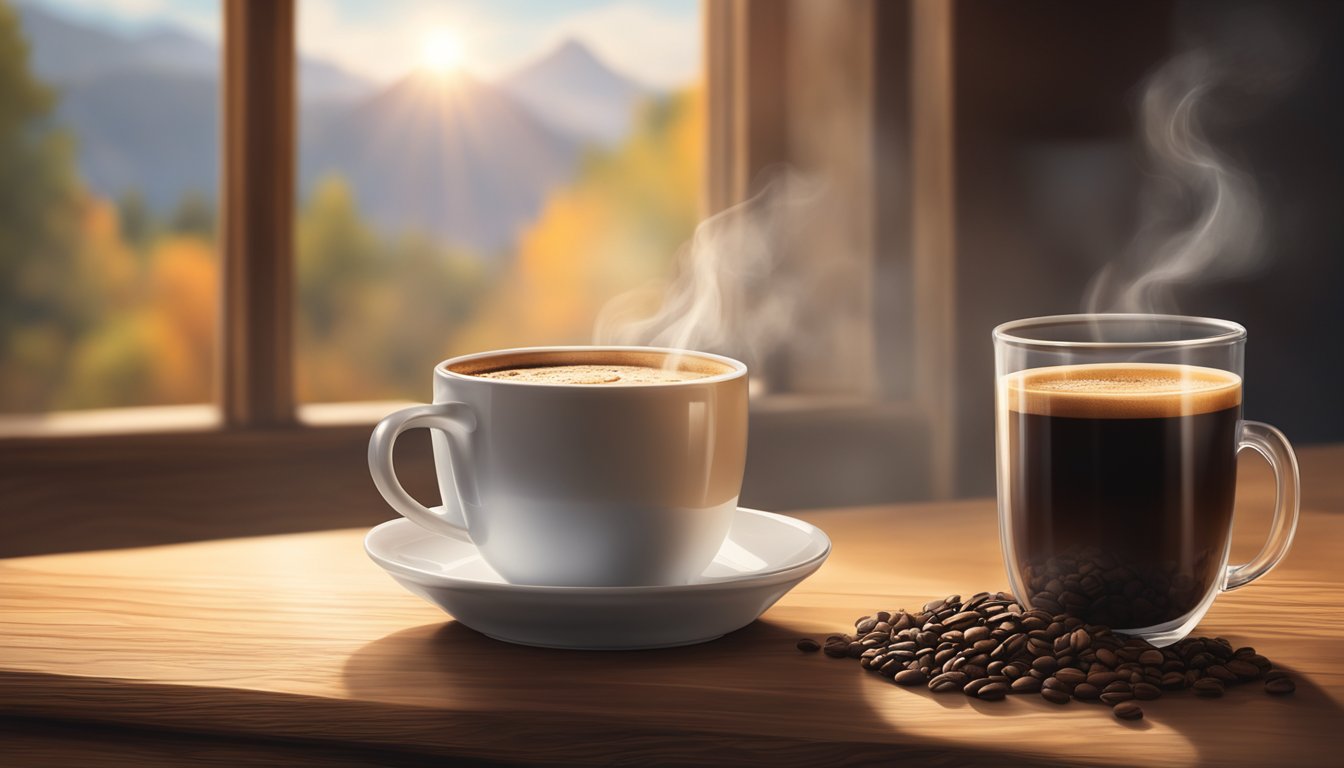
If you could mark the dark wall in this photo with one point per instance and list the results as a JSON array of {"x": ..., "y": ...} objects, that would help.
[{"x": 1048, "y": 174}]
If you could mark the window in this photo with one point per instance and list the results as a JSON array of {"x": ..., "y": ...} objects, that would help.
[
  {"x": 296, "y": 216},
  {"x": 108, "y": 171},
  {"x": 481, "y": 175}
]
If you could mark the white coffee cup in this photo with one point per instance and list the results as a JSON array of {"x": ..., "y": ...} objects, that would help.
[{"x": 580, "y": 484}]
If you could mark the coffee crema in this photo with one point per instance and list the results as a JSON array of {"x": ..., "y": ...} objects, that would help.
[
  {"x": 593, "y": 374},
  {"x": 1121, "y": 480},
  {"x": 1122, "y": 390}
]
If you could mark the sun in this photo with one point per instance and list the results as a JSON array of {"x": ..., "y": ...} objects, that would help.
[{"x": 441, "y": 52}]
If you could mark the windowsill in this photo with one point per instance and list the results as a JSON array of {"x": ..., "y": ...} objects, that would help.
[
  {"x": 112, "y": 421},
  {"x": 205, "y": 418}
]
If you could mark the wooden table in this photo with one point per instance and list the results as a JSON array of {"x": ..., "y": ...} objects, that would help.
[{"x": 297, "y": 649}]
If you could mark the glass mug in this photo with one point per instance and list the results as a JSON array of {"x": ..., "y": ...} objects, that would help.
[{"x": 1117, "y": 443}]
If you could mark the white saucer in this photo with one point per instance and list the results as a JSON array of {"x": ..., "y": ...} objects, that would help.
[{"x": 764, "y": 557}]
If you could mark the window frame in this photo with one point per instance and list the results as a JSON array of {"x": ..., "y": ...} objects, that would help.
[{"x": 95, "y": 467}]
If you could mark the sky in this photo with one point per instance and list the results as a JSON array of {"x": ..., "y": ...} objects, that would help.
[{"x": 657, "y": 42}]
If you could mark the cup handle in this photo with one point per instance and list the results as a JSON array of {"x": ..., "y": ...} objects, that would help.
[
  {"x": 459, "y": 421},
  {"x": 1271, "y": 444}
]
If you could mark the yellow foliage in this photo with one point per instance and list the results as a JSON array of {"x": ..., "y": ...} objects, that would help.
[
  {"x": 617, "y": 228},
  {"x": 154, "y": 343}
]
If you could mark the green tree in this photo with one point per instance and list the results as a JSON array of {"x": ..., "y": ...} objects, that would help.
[
  {"x": 39, "y": 198},
  {"x": 194, "y": 215},
  {"x": 375, "y": 311},
  {"x": 137, "y": 220}
]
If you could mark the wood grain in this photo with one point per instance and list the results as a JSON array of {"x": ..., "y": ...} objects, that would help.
[{"x": 299, "y": 638}]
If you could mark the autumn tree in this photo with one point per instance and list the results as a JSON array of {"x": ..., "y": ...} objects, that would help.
[
  {"x": 617, "y": 227},
  {"x": 38, "y": 197}
]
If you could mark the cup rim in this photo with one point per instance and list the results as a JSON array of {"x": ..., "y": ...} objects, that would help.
[
  {"x": 1225, "y": 331},
  {"x": 739, "y": 369}
]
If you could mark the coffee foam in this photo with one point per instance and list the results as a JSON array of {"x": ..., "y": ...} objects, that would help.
[
  {"x": 1121, "y": 390},
  {"x": 683, "y": 366},
  {"x": 593, "y": 374}
]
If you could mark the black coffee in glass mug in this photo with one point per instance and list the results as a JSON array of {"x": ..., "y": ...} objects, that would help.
[{"x": 1117, "y": 455}]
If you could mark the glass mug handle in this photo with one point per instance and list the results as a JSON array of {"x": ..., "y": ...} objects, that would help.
[
  {"x": 1271, "y": 444},
  {"x": 459, "y": 421}
]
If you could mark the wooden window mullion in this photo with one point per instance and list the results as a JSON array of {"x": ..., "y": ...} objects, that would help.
[{"x": 256, "y": 370}]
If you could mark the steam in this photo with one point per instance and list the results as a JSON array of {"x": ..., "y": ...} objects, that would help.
[
  {"x": 1200, "y": 216},
  {"x": 737, "y": 292}
]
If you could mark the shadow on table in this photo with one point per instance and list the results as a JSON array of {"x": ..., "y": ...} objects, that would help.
[{"x": 755, "y": 688}]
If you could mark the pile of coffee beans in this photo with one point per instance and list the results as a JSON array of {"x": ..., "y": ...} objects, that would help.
[
  {"x": 989, "y": 646},
  {"x": 1092, "y": 585}
]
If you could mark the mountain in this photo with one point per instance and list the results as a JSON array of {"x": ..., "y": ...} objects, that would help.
[
  {"x": 467, "y": 161},
  {"x": 574, "y": 92},
  {"x": 157, "y": 135},
  {"x": 455, "y": 157},
  {"x": 144, "y": 108},
  {"x": 62, "y": 52}
]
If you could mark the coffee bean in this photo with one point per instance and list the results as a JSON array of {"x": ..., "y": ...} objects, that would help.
[
  {"x": 1102, "y": 679},
  {"x": 1057, "y": 684},
  {"x": 910, "y": 677},
  {"x": 947, "y": 681},
  {"x": 1208, "y": 687},
  {"x": 1080, "y": 640},
  {"x": 1173, "y": 681},
  {"x": 973, "y": 687},
  {"x": 1061, "y": 644},
  {"x": 1038, "y": 646},
  {"x": 1115, "y": 697},
  {"x": 990, "y": 646},
  {"x": 976, "y": 634},
  {"x": 1071, "y": 675},
  {"x": 1280, "y": 686},
  {"x": 1244, "y": 670},
  {"x": 1026, "y": 685},
  {"x": 1045, "y": 664},
  {"x": 1055, "y": 696},
  {"x": 1147, "y": 691},
  {"x": 1086, "y": 692},
  {"x": 993, "y": 692},
  {"x": 963, "y": 621},
  {"x": 1009, "y": 648},
  {"x": 1128, "y": 710}
]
